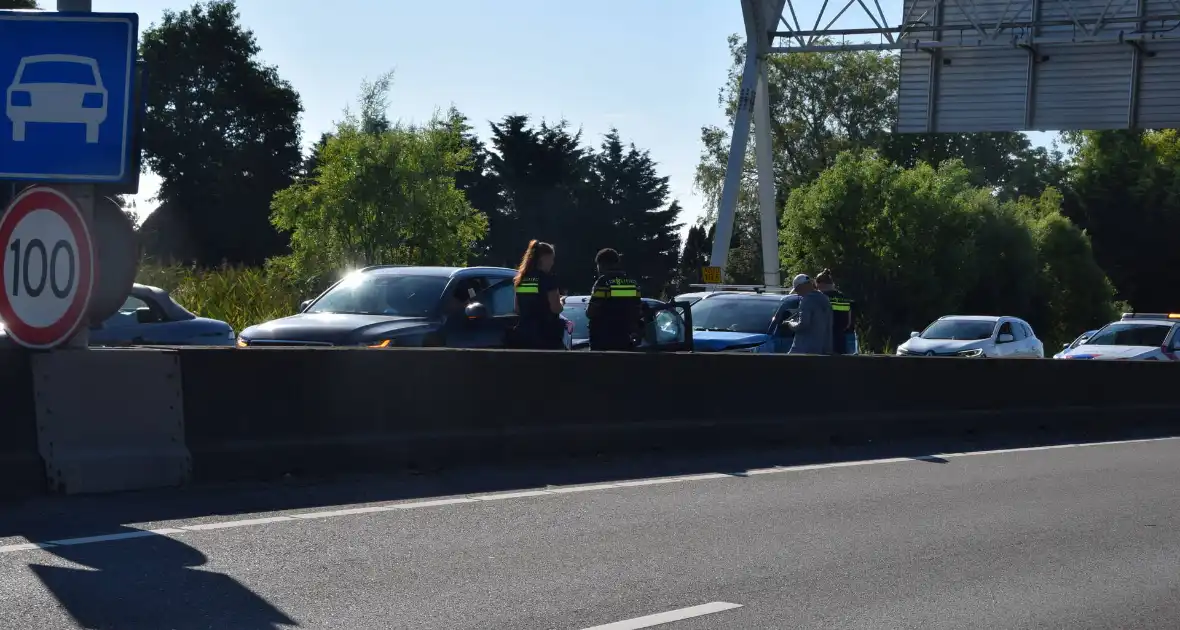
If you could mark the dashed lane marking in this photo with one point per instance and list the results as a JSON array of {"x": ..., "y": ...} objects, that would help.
[{"x": 660, "y": 619}]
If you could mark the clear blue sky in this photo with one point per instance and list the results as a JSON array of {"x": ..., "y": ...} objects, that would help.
[{"x": 652, "y": 68}]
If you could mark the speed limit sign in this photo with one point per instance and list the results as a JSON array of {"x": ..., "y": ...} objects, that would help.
[{"x": 48, "y": 268}]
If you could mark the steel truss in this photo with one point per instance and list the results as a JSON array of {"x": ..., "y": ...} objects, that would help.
[{"x": 929, "y": 24}]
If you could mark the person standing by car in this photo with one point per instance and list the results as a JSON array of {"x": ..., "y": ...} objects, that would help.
[
  {"x": 538, "y": 303},
  {"x": 615, "y": 308},
  {"x": 843, "y": 324},
  {"x": 812, "y": 324}
]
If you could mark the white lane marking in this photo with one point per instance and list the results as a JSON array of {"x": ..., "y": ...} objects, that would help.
[
  {"x": 660, "y": 619},
  {"x": 513, "y": 495},
  {"x": 412, "y": 505},
  {"x": 97, "y": 539},
  {"x": 425, "y": 504},
  {"x": 806, "y": 467},
  {"x": 348, "y": 512},
  {"x": 246, "y": 522},
  {"x": 573, "y": 489},
  {"x": 25, "y": 547}
]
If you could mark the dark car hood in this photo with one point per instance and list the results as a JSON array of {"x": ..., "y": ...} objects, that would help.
[{"x": 336, "y": 329}]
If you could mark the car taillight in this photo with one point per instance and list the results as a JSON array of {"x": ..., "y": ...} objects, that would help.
[
  {"x": 20, "y": 99},
  {"x": 92, "y": 100}
]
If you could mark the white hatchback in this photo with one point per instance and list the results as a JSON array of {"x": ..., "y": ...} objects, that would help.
[{"x": 978, "y": 336}]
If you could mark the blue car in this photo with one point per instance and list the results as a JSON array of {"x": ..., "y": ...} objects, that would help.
[
  {"x": 742, "y": 321},
  {"x": 151, "y": 317}
]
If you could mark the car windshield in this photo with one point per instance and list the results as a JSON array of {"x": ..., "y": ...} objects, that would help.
[
  {"x": 57, "y": 72},
  {"x": 576, "y": 313},
  {"x": 959, "y": 329},
  {"x": 736, "y": 315},
  {"x": 1127, "y": 334},
  {"x": 380, "y": 294}
]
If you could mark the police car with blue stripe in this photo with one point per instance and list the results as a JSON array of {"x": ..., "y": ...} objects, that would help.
[{"x": 1135, "y": 337}]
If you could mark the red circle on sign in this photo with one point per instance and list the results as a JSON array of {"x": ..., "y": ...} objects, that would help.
[{"x": 55, "y": 201}]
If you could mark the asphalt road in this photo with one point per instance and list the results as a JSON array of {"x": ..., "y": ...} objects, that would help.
[{"x": 1069, "y": 538}]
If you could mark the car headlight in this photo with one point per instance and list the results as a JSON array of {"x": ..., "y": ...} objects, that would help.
[
  {"x": 970, "y": 353},
  {"x": 242, "y": 343}
]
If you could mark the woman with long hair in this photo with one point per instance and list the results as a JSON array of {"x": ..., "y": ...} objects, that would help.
[{"x": 538, "y": 302}]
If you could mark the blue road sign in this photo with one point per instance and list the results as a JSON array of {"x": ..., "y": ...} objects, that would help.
[{"x": 67, "y": 80}]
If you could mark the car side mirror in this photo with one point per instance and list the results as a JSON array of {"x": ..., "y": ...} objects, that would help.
[
  {"x": 915, "y": 335},
  {"x": 145, "y": 315},
  {"x": 475, "y": 310},
  {"x": 1005, "y": 338},
  {"x": 303, "y": 305}
]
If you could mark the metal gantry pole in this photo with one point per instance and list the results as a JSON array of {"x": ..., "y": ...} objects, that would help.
[
  {"x": 82, "y": 194},
  {"x": 764, "y": 153},
  {"x": 753, "y": 100},
  {"x": 731, "y": 188}
]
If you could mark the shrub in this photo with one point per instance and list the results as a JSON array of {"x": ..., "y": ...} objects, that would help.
[{"x": 240, "y": 296}]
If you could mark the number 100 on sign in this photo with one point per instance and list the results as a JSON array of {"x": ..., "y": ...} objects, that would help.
[
  {"x": 47, "y": 270},
  {"x": 34, "y": 266}
]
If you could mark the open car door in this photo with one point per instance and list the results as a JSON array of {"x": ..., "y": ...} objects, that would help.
[{"x": 667, "y": 328}]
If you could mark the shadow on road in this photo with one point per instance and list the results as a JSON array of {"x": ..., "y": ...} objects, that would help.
[
  {"x": 151, "y": 583},
  {"x": 50, "y": 518}
]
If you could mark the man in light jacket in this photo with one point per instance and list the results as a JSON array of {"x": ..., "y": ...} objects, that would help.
[{"x": 813, "y": 323}]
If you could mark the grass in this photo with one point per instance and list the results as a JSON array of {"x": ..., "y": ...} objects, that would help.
[{"x": 240, "y": 296}]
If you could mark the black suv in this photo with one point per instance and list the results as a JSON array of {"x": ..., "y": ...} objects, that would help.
[{"x": 395, "y": 306}]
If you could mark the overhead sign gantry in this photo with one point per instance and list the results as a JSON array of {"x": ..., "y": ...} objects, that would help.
[{"x": 966, "y": 66}]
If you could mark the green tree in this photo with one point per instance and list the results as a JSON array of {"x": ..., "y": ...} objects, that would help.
[
  {"x": 381, "y": 194},
  {"x": 916, "y": 244},
  {"x": 695, "y": 255},
  {"x": 635, "y": 216},
  {"x": 895, "y": 238},
  {"x": 542, "y": 176},
  {"x": 826, "y": 103},
  {"x": 1073, "y": 292},
  {"x": 222, "y": 131},
  {"x": 1125, "y": 192}
]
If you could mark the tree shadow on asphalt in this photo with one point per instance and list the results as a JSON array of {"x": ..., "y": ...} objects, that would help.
[
  {"x": 149, "y": 583},
  {"x": 49, "y": 518}
]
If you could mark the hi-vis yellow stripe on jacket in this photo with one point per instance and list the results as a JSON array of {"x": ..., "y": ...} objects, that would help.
[
  {"x": 528, "y": 285},
  {"x": 841, "y": 305},
  {"x": 621, "y": 288}
]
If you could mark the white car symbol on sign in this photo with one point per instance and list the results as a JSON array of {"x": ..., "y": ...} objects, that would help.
[{"x": 57, "y": 89}]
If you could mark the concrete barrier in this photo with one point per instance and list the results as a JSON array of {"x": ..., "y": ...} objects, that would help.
[
  {"x": 110, "y": 419},
  {"x": 263, "y": 413},
  {"x": 22, "y": 472}
]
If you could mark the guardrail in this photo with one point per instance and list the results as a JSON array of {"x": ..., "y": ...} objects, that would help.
[{"x": 158, "y": 417}]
